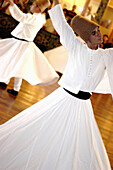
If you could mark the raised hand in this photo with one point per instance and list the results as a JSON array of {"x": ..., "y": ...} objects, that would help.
[
  {"x": 10, "y": 2},
  {"x": 55, "y": 2}
]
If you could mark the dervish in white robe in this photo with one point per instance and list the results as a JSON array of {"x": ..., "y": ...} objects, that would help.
[
  {"x": 23, "y": 59},
  {"x": 60, "y": 131}
]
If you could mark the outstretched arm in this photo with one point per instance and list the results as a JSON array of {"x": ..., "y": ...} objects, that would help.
[
  {"x": 67, "y": 37},
  {"x": 60, "y": 24},
  {"x": 18, "y": 15}
]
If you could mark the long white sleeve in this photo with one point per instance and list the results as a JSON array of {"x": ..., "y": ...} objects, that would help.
[
  {"x": 108, "y": 58},
  {"x": 18, "y": 15},
  {"x": 28, "y": 25},
  {"x": 67, "y": 36}
]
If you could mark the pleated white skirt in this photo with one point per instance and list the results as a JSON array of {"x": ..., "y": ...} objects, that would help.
[
  {"x": 57, "y": 133},
  {"x": 58, "y": 58},
  {"x": 25, "y": 60}
]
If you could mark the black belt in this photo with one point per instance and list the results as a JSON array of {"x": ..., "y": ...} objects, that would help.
[
  {"x": 80, "y": 95},
  {"x": 20, "y": 39}
]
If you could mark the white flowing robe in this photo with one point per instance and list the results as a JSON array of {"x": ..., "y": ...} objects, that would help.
[
  {"x": 85, "y": 67},
  {"x": 60, "y": 131},
  {"x": 24, "y": 59},
  {"x": 58, "y": 58}
]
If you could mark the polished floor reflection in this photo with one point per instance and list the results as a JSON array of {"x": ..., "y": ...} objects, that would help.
[{"x": 29, "y": 95}]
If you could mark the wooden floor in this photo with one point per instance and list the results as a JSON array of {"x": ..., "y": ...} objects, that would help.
[{"x": 28, "y": 95}]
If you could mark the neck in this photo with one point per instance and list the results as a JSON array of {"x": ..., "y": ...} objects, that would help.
[{"x": 92, "y": 46}]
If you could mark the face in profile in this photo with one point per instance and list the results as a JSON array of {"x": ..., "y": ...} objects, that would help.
[{"x": 96, "y": 37}]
